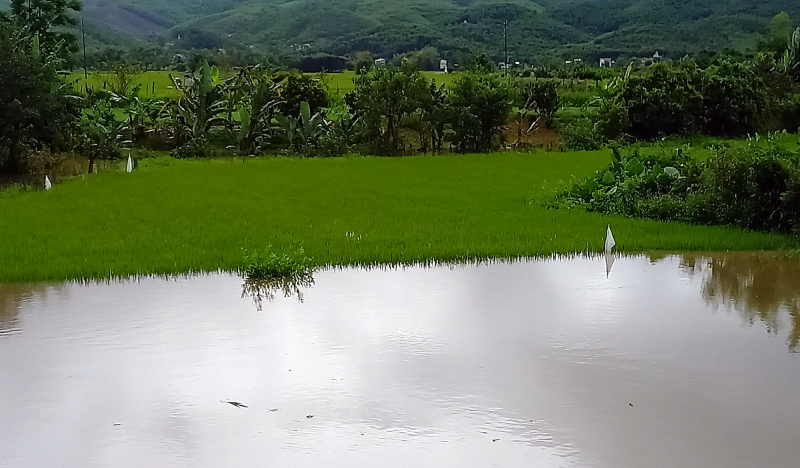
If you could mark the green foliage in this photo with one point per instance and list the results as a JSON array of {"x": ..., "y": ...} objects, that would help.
[
  {"x": 535, "y": 102},
  {"x": 197, "y": 110},
  {"x": 47, "y": 19},
  {"x": 480, "y": 104},
  {"x": 299, "y": 88},
  {"x": 780, "y": 31},
  {"x": 99, "y": 135},
  {"x": 292, "y": 264},
  {"x": 304, "y": 131},
  {"x": 727, "y": 98},
  {"x": 580, "y": 134},
  {"x": 756, "y": 187},
  {"x": 256, "y": 93},
  {"x": 790, "y": 61},
  {"x": 382, "y": 99},
  {"x": 192, "y": 216},
  {"x": 35, "y": 107}
]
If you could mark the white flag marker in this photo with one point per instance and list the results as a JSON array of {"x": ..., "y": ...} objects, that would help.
[
  {"x": 130, "y": 164},
  {"x": 610, "y": 243},
  {"x": 47, "y": 184}
]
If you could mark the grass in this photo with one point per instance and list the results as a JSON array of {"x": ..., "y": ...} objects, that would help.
[
  {"x": 171, "y": 216},
  {"x": 342, "y": 83},
  {"x": 157, "y": 84}
]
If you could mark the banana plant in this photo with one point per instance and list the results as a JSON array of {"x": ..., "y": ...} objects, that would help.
[
  {"x": 258, "y": 96},
  {"x": 142, "y": 114},
  {"x": 303, "y": 131},
  {"x": 790, "y": 62},
  {"x": 199, "y": 107},
  {"x": 100, "y": 135}
]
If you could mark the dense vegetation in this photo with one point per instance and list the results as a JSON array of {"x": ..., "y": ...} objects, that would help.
[
  {"x": 175, "y": 216},
  {"x": 755, "y": 187},
  {"x": 544, "y": 32},
  {"x": 361, "y": 211}
]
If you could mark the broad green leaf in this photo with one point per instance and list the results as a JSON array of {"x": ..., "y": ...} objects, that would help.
[
  {"x": 608, "y": 178},
  {"x": 634, "y": 167}
]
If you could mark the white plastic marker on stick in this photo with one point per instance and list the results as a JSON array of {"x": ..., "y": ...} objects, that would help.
[
  {"x": 47, "y": 184},
  {"x": 130, "y": 164},
  {"x": 610, "y": 243}
]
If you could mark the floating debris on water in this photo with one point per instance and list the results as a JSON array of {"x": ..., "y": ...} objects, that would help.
[{"x": 234, "y": 403}]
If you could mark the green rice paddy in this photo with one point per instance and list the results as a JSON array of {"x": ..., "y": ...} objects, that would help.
[
  {"x": 176, "y": 216},
  {"x": 157, "y": 84}
]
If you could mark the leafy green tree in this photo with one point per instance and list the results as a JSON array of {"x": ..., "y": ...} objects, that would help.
[
  {"x": 432, "y": 119},
  {"x": 780, "y": 29},
  {"x": 299, "y": 88},
  {"x": 47, "y": 20},
  {"x": 535, "y": 102},
  {"x": 99, "y": 134},
  {"x": 734, "y": 99},
  {"x": 382, "y": 99},
  {"x": 35, "y": 110},
  {"x": 480, "y": 104}
]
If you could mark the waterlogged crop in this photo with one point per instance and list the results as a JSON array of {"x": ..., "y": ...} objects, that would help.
[{"x": 292, "y": 264}]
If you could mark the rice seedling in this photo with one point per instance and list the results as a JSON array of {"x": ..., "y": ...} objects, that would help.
[{"x": 182, "y": 216}]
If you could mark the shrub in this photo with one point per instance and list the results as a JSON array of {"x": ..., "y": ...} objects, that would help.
[
  {"x": 757, "y": 187},
  {"x": 480, "y": 104},
  {"x": 291, "y": 264},
  {"x": 382, "y": 99},
  {"x": 298, "y": 88}
]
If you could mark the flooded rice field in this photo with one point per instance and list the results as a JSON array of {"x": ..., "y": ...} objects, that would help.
[{"x": 685, "y": 360}]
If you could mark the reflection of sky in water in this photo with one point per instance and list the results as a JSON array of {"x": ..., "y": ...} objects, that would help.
[{"x": 529, "y": 364}]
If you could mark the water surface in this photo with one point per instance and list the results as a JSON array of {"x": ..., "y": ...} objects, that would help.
[{"x": 684, "y": 361}]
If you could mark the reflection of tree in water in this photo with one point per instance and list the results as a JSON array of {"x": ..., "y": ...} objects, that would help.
[
  {"x": 11, "y": 296},
  {"x": 267, "y": 288},
  {"x": 759, "y": 286}
]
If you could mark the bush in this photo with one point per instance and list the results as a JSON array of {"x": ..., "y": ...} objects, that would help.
[
  {"x": 300, "y": 88},
  {"x": 580, "y": 135},
  {"x": 291, "y": 264},
  {"x": 540, "y": 97},
  {"x": 480, "y": 104},
  {"x": 725, "y": 99},
  {"x": 382, "y": 99},
  {"x": 757, "y": 188},
  {"x": 35, "y": 111}
]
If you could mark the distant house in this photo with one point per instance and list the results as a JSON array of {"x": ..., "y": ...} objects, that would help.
[
  {"x": 381, "y": 62},
  {"x": 606, "y": 62}
]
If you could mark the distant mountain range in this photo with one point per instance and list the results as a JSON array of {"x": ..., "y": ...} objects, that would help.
[{"x": 542, "y": 31}]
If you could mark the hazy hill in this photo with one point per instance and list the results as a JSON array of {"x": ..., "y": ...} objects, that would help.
[{"x": 539, "y": 31}]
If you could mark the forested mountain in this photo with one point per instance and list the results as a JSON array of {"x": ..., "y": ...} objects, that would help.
[{"x": 541, "y": 31}]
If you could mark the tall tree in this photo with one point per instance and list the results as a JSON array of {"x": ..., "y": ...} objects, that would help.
[
  {"x": 34, "y": 111},
  {"x": 382, "y": 99},
  {"x": 47, "y": 19}
]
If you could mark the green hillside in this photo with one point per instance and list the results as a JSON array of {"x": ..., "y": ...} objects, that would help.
[{"x": 540, "y": 32}]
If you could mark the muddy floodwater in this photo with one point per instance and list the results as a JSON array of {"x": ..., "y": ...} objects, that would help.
[{"x": 680, "y": 361}]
